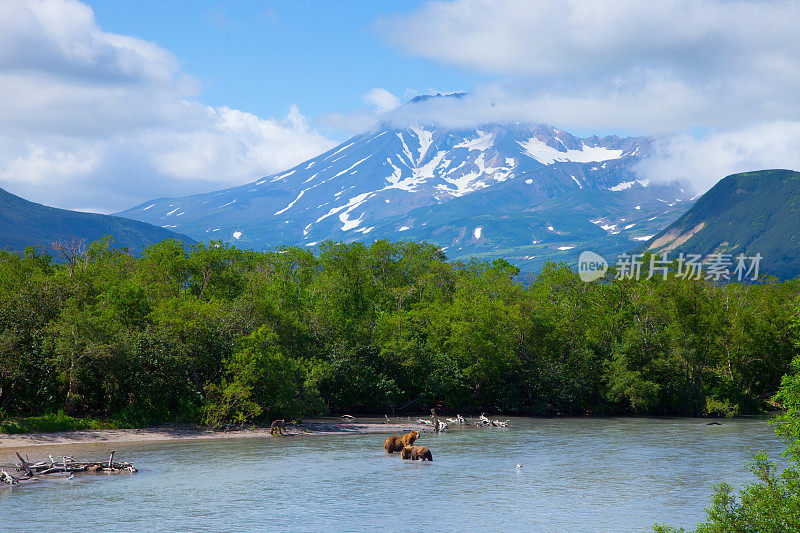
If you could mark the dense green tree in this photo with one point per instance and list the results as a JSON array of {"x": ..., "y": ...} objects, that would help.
[{"x": 232, "y": 336}]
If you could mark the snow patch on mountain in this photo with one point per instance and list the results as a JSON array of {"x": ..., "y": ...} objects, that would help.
[
  {"x": 459, "y": 185},
  {"x": 291, "y": 203},
  {"x": 283, "y": 176},
  {"x": 341, "y": 148},
  {"x": 351, "y": 167},
  {"x": 406, "y": 151},
  {"x": 611, "y": 228},
  {"x": 424, "y": 173},
  {"x": 624, "y": 185},
  {"x": 425, "y": 139},
  {"x": 482, "y": 142},
  {"x": 351, "y": 204},
  {"x": 348, "y": 224},
  {"x": 547, "y": 155}
]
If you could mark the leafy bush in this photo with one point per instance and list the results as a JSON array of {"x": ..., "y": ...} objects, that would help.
[
  {"x": 724, "y": 408},
  {"x": 51, "y": 423}
]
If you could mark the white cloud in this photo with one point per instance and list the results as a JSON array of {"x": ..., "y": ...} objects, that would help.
[
  {"x": 576, "y": 36},
  {"x": 616, "y": 106},
  {"x": 704, "y": 161},
  {"x": 91, "y": 118},
  {"x": 381, "y": 103},
  {"x": 382, "y": 100},
  {"x": 233, "y": 145},
  {"x": 30, "y": 163},
  {"x": 652, "y": 66},
  {"x": 62, "y": 38}
]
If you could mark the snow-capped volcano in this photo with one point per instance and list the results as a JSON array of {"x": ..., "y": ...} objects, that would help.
[{"x": 365, "y": 187}]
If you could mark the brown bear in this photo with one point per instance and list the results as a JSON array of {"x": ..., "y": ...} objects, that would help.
[
  {"x": 277, "y": 425},
  {"x": 416, "y": 452},
  {"x": 406, "y": 453},
  {"x": 396, "y": 444}
]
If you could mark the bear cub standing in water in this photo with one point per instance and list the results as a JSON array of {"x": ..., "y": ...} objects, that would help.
[{"x": 416, "y": 453}]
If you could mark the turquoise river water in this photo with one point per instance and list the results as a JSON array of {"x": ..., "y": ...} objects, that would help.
[{"x": 620, "y": 474}]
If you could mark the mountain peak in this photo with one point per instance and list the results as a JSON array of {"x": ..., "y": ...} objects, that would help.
[
  {"x": 426, "y": 182},
  {"x": 426, "y": 97}
]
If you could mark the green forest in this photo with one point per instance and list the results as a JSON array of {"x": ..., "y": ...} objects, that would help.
[{"x": 221, "y": 336}]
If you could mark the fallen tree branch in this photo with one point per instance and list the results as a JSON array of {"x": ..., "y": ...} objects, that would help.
[{"x": 68, "y": 465}]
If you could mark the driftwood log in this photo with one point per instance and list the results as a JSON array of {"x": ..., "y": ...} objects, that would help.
[
  {"x": 8, "y": 479},
  {"x": 66, "y": 465},
  {"x": 24, "y": 464}
]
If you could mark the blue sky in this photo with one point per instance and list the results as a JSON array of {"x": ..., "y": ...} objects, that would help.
[{"x": 262, "y": 57}]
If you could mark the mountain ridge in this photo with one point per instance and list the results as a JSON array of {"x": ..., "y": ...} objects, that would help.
[
  {"x": 745, "y": 213},
  {"x": 24, "y": 223}
]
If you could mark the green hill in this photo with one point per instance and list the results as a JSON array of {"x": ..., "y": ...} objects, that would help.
[
  {"x": 752, "y": 212},
  {"x": 24, "y": 223}
]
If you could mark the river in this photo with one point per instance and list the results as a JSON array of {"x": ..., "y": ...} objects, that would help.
[{"x": 587, "y": 474}]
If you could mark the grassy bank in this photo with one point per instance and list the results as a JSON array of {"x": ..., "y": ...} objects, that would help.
[{"x": 51, "y": 423}]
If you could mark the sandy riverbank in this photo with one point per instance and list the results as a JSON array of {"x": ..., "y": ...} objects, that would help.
[{"x": 9, "y": 443}]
